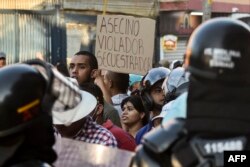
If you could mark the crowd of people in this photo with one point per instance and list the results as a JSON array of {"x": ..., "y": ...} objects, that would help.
[{"x": 171, "y": 116}]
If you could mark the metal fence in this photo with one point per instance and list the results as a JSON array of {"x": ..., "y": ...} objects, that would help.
[
  {"x": 29, "y": 28},
  {"x": 24, "y": 34}
]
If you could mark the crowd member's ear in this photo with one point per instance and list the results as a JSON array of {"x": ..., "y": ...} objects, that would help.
[
  {"x": 99, "y": 109},
  {"x": 93, "y": 73},
  {"x": 142, "y": 115}
]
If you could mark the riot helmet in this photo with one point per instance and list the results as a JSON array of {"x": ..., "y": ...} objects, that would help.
[
  {"x": 66, "y": 93},
  {"x": 218, "y": 56},
  {"x": 176, "y": 83},
  {"x": 155, "y": 75},
  {"x": 174, "y": 64},
  {"x": 21, "y": 97},
  {"x": 219, "y": 50},
  {"x": 28, "y": 94},
  {"x": 29, "y": 91}
]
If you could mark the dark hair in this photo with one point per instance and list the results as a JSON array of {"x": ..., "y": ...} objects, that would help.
[
  {"x": 120, "y": 80},
  {"x": 94, "y": 90},
  {"x": 92, "y": 59},
  {"x": 137, "y": 103},
  {"x": 2, "y": 56}
]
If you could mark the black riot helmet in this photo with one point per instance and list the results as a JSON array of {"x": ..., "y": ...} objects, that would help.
[
  {"x": 29, "y": 91},
  {"x": 218, "y": 56},
  {"x": 22, "y": 91},
  {"x": 219, "y": 50}
]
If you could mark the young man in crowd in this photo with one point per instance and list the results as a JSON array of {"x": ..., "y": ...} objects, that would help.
[
  {"x": 114, "y": 86},
  {"x": 83, "y": 67},
  {"x": 153, "y": 96}
]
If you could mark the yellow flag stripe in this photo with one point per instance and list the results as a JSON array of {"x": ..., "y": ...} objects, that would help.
[{"x": 28, "y": 106}]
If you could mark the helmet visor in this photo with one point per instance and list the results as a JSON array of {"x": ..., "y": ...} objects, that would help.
[{"x": 65, "y": 91}]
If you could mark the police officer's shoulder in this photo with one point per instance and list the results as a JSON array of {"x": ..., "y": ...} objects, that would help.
[{"x": 163, "y": 137}]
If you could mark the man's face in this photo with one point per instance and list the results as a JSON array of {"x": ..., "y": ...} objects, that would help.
[
  {"x": 2, "y": 62},
  {"x": 157, "y": 94},
  {"x": 79, "y": 68}
]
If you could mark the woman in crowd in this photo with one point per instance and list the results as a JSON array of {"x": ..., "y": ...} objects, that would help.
[{"x": 133, "y": 116}]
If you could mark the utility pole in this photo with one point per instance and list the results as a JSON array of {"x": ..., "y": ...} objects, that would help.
[{"x": 207, "y": 9}]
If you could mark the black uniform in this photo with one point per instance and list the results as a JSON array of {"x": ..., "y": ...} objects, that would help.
[{"x": 26, "y": 100}]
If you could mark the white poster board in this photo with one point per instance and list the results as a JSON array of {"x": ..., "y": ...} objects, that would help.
[{"x": 124, "y": 43}]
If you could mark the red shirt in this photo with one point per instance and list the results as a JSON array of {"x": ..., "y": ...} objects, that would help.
[{"x": 125, "y": 140}]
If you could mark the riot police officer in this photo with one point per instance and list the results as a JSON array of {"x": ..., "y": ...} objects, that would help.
[
  {"x": 218, "y": 118},
  {"x": 28, "y": 93}
]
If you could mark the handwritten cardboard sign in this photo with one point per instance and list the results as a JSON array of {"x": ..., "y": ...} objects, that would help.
[{"x": 124, "y": 43}]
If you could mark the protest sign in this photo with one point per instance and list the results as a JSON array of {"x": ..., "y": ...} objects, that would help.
[{"x": 124, "y": 43}]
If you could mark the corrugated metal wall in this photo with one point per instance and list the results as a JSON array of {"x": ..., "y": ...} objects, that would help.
[
  {"x": 25, "y": 29},
  {"x": 28, "y": 4},
  {"x": 7, "y": 36},
  {"x": 22, "y": 36},
  {"x": 146, "y": 8},
  {"x": 35, "y": 34}
]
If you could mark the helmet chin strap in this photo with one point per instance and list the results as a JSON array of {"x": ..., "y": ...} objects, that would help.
[{"x": 157, "y": 107}]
